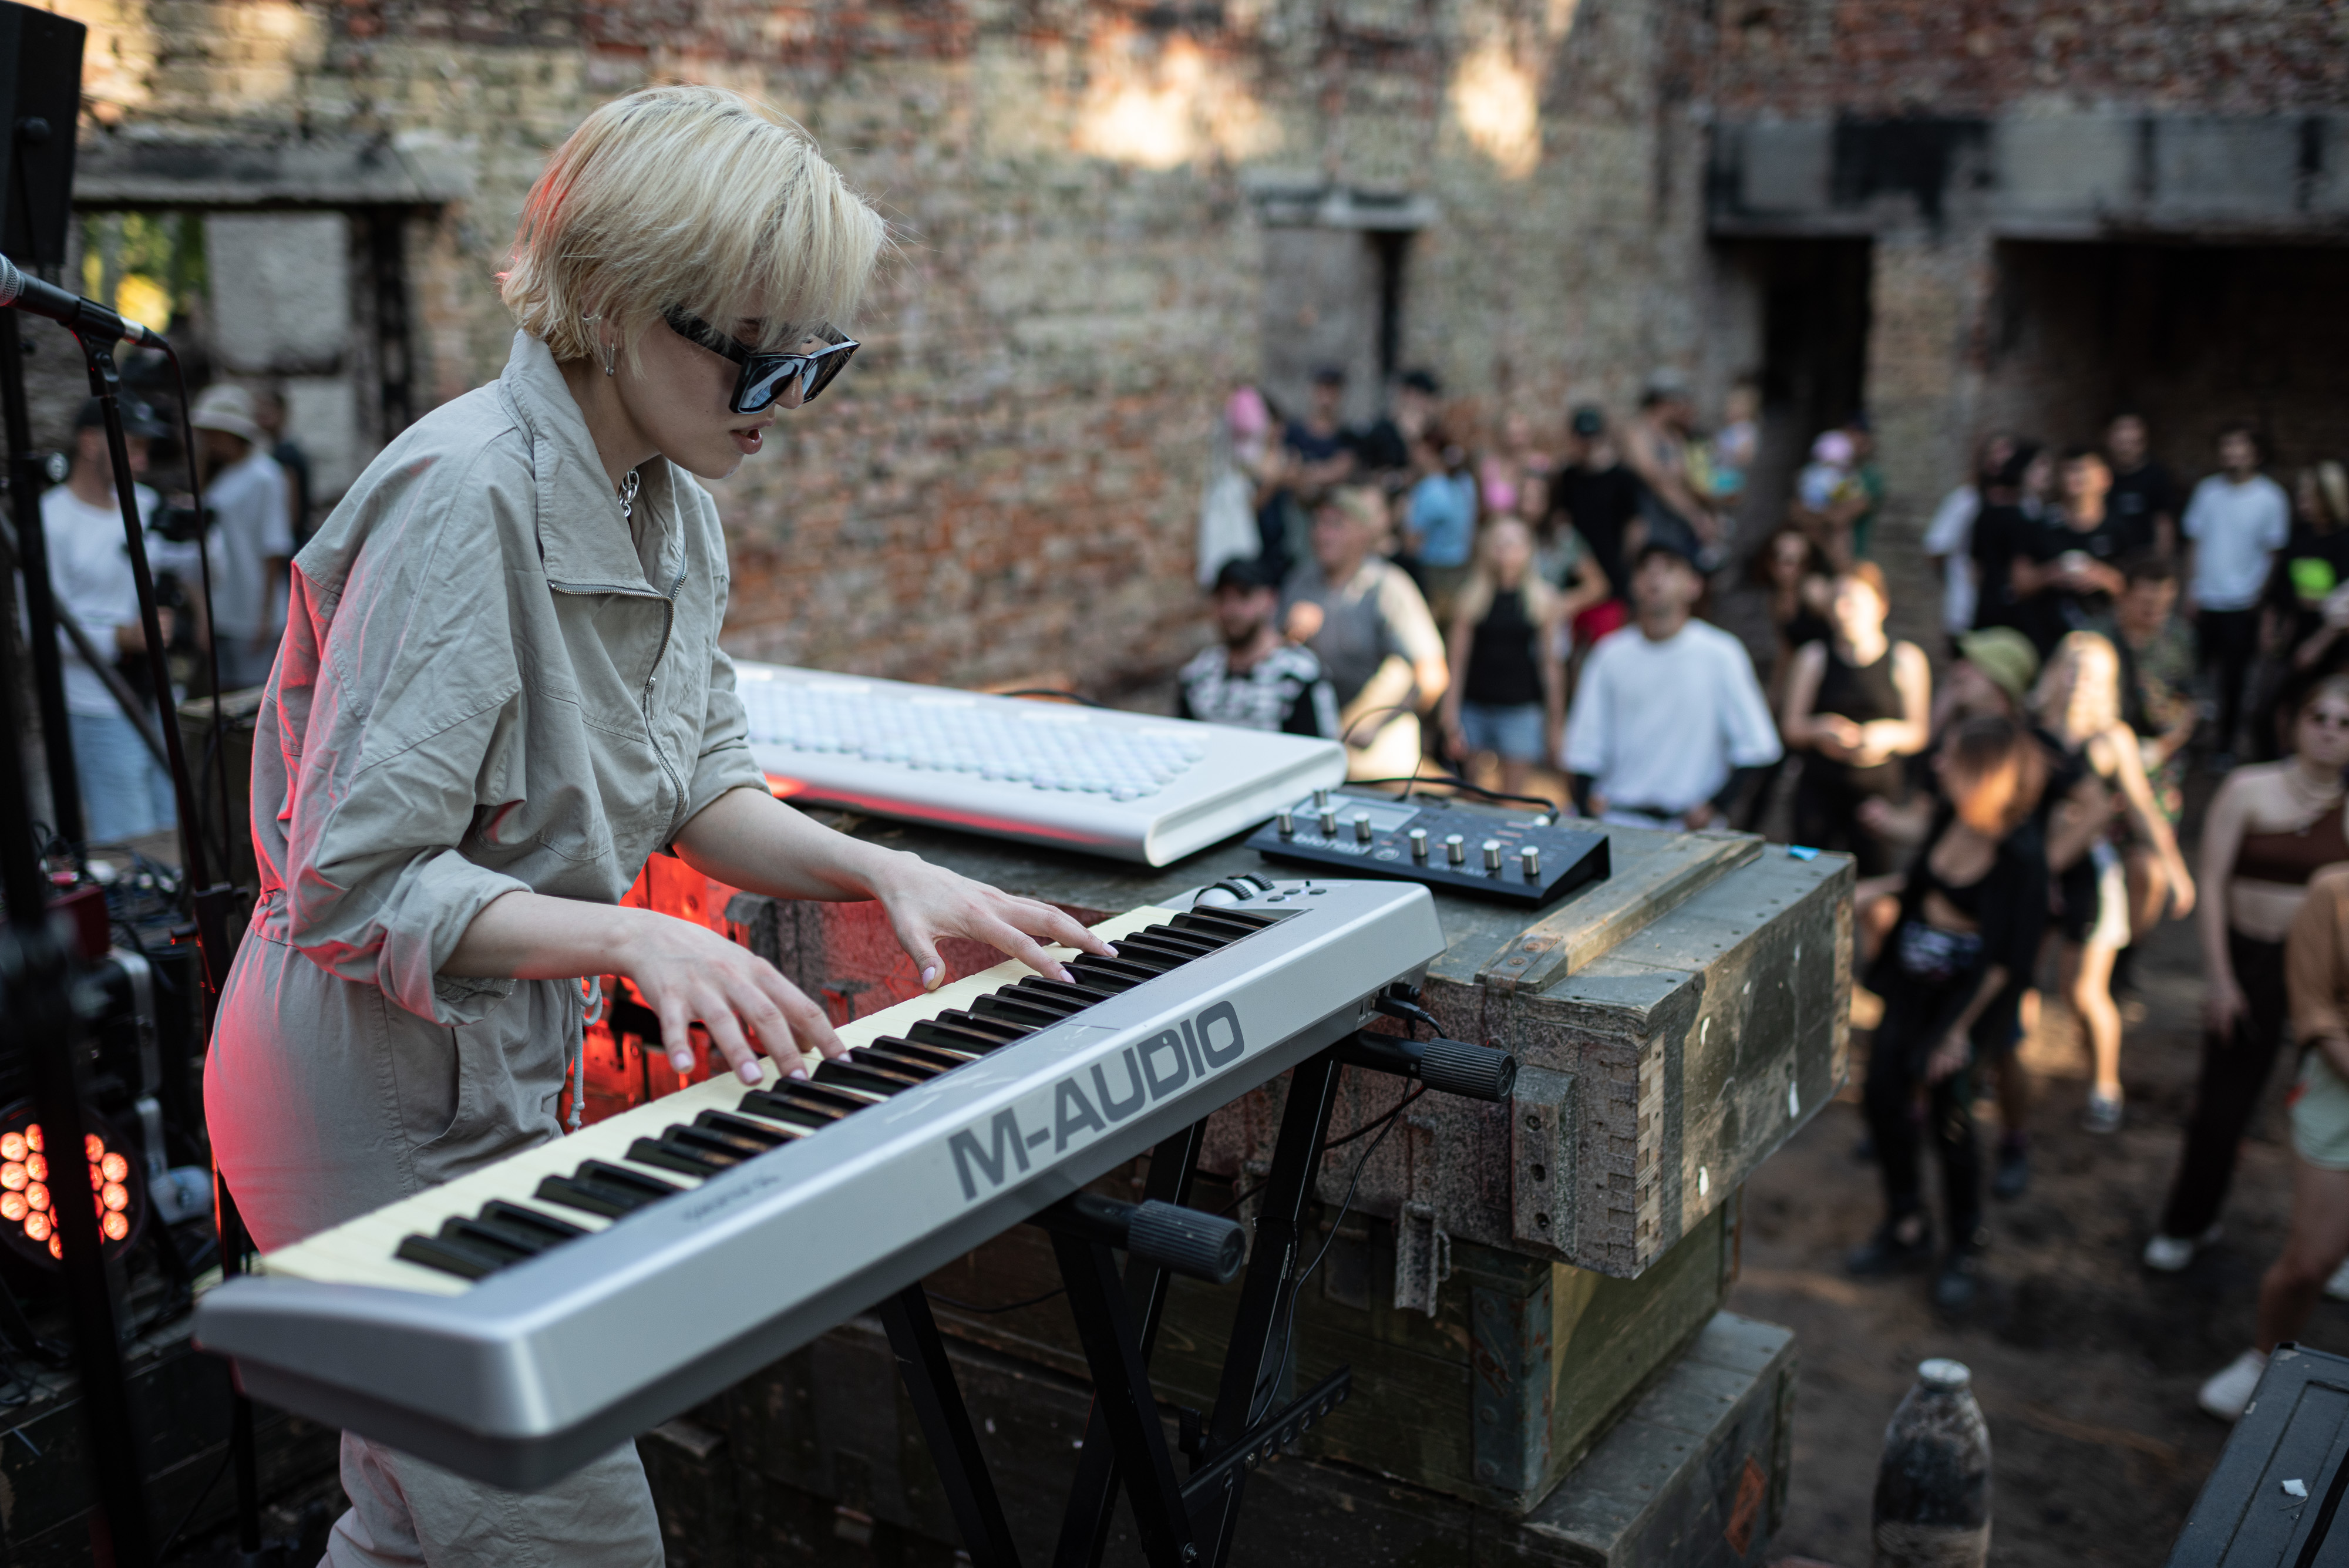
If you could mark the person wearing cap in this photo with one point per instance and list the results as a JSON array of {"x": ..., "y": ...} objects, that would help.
[
  {"x": 1669, "y": 722},
  {"x": 1252, "y": 678},
  {"x": 250, "y": 538},
  {"x": 125, "y": 792}
]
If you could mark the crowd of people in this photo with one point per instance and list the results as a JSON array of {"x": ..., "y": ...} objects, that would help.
[{"x": 2015, "y": 796}]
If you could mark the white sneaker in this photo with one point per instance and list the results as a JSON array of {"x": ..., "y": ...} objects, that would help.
[
  {"x": 2168, "y": 1254},
  {"x": 2337, "y": 1287},
  {"x": 2227, "y": 1395}
]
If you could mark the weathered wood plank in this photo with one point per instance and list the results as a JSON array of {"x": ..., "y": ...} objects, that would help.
[{"x": 1652, "y": 874}]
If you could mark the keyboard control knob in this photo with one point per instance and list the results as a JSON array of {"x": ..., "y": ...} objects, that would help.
[
  {"x": 1362, "y": 828},
  {"x": 1419, "y": 845},
  {"x": 1530, "y": 859},
  {"x": 1455, "y": 849},
  {"x": 1492, "y": 855},
  {"x": 1320, "y": 800},
  {"x": 1329, "y": 822},
  {"x": 1288, "y": 820}
]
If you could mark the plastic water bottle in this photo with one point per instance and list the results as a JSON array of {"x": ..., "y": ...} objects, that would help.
[{"x": 1932, "y": 1488}]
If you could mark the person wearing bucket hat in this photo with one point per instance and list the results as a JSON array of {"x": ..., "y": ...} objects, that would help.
[
  {"x": 250, "y": 540},
  {"x": 2004, "y": 657},
  {"x": 124, "y": 792}
]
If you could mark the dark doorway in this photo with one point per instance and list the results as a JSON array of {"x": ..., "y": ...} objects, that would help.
[
  {"x": 1813, "y": 295},
  {"x": 2192, "y": 335}
]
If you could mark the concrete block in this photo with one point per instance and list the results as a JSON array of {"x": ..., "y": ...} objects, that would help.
[
  {"x": 2237, "y": 169},
  {"x": 2065, "y": 166},
  {"x": 281, "y": 291},
  {"x": 1785, "y": 167}
]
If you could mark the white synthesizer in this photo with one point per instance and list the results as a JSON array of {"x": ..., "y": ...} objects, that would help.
[
  {"x": 1129, "y": 786},
  {"x": 517, "y": 1322}
]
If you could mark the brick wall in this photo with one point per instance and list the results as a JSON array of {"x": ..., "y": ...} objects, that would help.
[{"x": 1007, "y": 482}]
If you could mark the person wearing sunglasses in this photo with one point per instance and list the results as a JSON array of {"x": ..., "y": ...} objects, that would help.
[{"x": 500, "y": 692}]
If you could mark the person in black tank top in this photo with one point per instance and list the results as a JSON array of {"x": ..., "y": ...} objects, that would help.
[
  {"x": 1972, "y": 907},
  {"x": 1506, "y": 640},
  {"x": 1855, "y": 704}
]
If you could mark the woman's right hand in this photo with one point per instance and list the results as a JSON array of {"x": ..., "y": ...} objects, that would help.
[
  {"x": 2223, "y": 1005},
  {"x": 689, "y": 974}
]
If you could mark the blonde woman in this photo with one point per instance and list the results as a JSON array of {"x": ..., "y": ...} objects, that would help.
[
  {"x": 1508, "y": 641},
  {"x": 2096, "y": 776},
  {"x": 499, "y": 693}
]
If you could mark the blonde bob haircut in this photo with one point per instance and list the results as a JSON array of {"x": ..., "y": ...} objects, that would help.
[{"x": 693, "y": 197}]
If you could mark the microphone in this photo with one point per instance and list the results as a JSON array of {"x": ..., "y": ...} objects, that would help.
[{"x": 81, "y": 315}]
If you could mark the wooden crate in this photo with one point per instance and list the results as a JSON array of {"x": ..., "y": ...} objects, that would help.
[
  {"x": 817, "y": 1463},
  {"x": 1494, "y": 1398}
]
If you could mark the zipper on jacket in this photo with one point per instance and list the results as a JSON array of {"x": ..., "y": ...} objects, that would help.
[{"x": 652, "y": 731}]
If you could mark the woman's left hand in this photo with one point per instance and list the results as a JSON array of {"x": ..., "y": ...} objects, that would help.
[
  {"x": 1948, "y": 1057},
  {"x": 925, "y": 902}
]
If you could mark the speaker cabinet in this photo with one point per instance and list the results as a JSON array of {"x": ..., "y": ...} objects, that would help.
[{"x": 40, "y": 103}]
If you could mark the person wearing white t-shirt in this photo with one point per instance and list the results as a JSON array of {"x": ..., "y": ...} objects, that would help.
[
  {"x": 1668, "y": 719},
  {"x": 250, "y": 540},
  {"x": 2237, "y": 521},
  {"x": 124, "y": 792}
]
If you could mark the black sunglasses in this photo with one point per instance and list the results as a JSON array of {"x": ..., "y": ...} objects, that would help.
[{"x": 767, "y": 377}]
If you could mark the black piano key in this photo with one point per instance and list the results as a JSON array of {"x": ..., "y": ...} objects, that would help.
[
  {"x": 462, "y": 1259},
  {"x": 665, "y": 1154},
  {"x": 792, "y": 1113},
  {"x": 929, "y": 1031},
  {"x": 1206, "y": 923},
  {"x": 515, "y": 1215},
  {"x": 882, "y": 1061},
  {"x": 602, "y": 1188},
  {"x": 492, "y": 1237},
  {"x": 814, "y": 1095},
  {"x": 935, "y": 1058},
  {"x": 1246, "y": 919},
  {"x": 1082, "y": 994},
  {"x": 1140, "y": 949},
  {"x": 948, "y": 1057},
  {"x": 1033, "y": 1013},
  {"x": 1111, "y": 972},
  {"x": 737, "y": 1150},
  {"x": 742, "y": 1127},
  {"x": 1004, "y": 1029},
  {"x": 1193, "y": 942},
  {"x": 850, "y": 1075}
]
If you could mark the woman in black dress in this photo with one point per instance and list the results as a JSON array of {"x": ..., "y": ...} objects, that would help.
[{"x": 1857, "y": 704}]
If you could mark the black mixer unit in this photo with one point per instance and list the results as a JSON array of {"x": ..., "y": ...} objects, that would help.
[{"x": 1527, "y": 859}]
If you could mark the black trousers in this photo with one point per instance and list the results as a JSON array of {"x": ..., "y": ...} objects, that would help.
[
  {"x": 1915, "y": 1016},
  {"x": 2234, "y": 1075},
  {"x": 2230, "y": 645}
]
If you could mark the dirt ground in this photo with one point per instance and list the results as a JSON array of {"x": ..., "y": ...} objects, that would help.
[{"x": 2085, "y": 1363}]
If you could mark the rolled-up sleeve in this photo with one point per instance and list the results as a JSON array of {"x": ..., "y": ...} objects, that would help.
[
  {"x": 396, "y": 707},
  {"x": 2313, "y": 959}
]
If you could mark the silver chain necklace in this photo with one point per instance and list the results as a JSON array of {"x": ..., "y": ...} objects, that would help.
[{"x": 628, "y": 499}]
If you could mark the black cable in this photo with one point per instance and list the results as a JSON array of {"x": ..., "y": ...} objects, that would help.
[
  {"x": 1385, "y": 1124},
  {"x": 1346, "y": 737},
  {"x": 1077, "y": 697},
  {"x": 164, "y": 1553},
  {"x": 945, "y": 1300}
]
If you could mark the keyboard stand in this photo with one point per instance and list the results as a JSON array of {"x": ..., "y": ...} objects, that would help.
[{"x": 1183, "y": 1523}]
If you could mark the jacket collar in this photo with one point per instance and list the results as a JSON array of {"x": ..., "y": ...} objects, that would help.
[{"x": 582, "y": 539}]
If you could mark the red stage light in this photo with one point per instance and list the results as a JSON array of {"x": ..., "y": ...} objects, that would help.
[
  {"x": 116, "y": 1226},
  {"x": 13, "y": 1207},
  {"x": 36, "y": 1166},
  {"x": 115, "y": 1166},
  {"x": 36, "y": 1226},
  {"x": 13, "y": 1145},
  {"x": 33, "y": 1137},
  {"x": 38, "y": 1196},
  {"x": 14, "y": 1176}
]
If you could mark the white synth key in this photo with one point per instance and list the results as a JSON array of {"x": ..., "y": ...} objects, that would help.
[{"x": 364, "y": 1251}]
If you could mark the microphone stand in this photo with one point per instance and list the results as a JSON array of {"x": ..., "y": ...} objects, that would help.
[
  {"x": 36, "y": 982},
  {"x": 40, "y": 601}
]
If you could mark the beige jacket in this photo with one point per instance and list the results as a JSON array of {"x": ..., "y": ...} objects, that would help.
[{"x": 484, "y": 686}]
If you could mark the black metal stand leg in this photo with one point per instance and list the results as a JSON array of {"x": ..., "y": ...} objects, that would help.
[
  {"x": 945, "y": 1426},
  {"x": 1258, "y": 1355},
  {"x": 1092, "y": 1497},
  {"x": 1123, "y": 1401}
]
